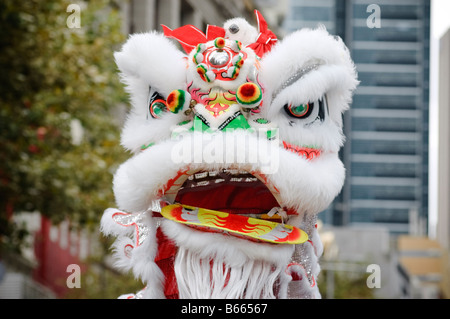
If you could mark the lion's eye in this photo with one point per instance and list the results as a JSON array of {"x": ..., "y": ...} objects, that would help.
[
  {"x": 299, "y": 111},
  {"x": 307, "y": 113},
  {"x": 156, "y": 105},
  {"x": 157, "y": 108},
  {"x": 234, "y": 28}
]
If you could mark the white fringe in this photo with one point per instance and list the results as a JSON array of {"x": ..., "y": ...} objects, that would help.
[{"x": 212, "y": 278}]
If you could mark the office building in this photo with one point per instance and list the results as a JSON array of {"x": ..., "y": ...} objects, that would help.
[{"x": 386, "y": 149}]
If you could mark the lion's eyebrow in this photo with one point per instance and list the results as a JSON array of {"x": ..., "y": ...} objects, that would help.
[{"x": 305, "y": 69}]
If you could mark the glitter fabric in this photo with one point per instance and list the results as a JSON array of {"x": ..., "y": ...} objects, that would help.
[
  {"x": 304, "y": 261},
  {"x": 136, "y": 220},
  {"x": 297, "y": 76}
]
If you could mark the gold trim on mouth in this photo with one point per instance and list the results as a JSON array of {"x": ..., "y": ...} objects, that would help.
[{"x": 233, "y": 224}]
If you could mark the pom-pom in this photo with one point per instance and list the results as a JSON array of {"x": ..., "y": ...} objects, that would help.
[
  {"x": 233, "y": 72},
  {"x": 204, "y": 72},
  {"x": 238, "y": 61},
  {"x": 197, "y": 58},
  {"x": 219, "y": 43},
  {"x": 178, "y": 100},
  {"x": 201, "y": 47},
  {"x": 236, "y": 46},
  {"x": 249, "y": 95}
]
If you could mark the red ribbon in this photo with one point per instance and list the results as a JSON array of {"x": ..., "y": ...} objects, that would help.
[
  {"x": 266, "y": 38},
  {"x": 189, "y": 36}
]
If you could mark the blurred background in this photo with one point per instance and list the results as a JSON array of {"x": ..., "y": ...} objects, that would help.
[{"x": 62, "y": 108}]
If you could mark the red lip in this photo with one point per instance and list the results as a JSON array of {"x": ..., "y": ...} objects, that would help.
[{"x": 307, "y": 152}]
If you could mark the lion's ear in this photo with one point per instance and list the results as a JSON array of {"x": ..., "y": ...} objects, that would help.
[
  {"x": 151, "y": 66},
  {"x": 294, "y": 73},
  {"x": 154, "y": 60}
]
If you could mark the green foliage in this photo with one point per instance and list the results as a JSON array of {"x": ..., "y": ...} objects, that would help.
[{"x": 52, "y": 78}]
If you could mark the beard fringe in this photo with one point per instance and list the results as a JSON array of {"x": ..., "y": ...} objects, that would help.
[{"x": 212, "y": 278}]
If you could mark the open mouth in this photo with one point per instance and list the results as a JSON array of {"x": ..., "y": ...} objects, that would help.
[
  {"x": 231, "y": 191},
  {"x": 231, "y": 201}
]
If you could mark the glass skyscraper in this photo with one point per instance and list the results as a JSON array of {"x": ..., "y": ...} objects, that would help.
[{"x": 386, "y": 149}]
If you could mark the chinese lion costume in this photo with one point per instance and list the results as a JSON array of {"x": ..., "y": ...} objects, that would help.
[{"x": 235, "y": 151}]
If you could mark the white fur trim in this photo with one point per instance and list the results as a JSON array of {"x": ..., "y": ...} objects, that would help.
[
  {"x": 247, "y": 33},
  {"x": 335, "y": 76},
  {"x": 154, "y": 59},
  {"x": 205, "y": 261},
  {"x": 129, "y": 255},
  {"x": 321, "y": 47},
  {"x": 109, "y": 227},
  {"x": 308, "y": 186},
  {"x": 149, "y": 60},
  {"x": 212, "y": 278}
]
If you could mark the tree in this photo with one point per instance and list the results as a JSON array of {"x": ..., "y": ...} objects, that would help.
[{"x": 55, "y": 79}]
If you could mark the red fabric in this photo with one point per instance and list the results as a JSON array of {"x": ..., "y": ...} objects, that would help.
[
  {"x": 266, "y": 38},
  {"x": 165, "y": 260},
  {"x": 294, "y": 273},
  {"x": 240, "y": 198},
  {"x": 213, "y": 32},
  {"x": 190, "y": 36}
]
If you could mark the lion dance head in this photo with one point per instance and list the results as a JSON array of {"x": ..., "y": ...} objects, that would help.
[{"x": 235, "y": 151}]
